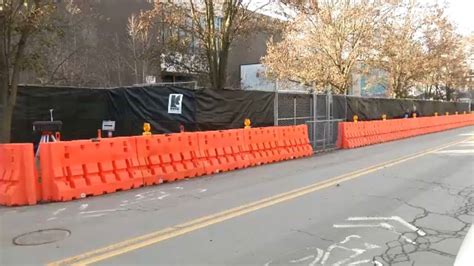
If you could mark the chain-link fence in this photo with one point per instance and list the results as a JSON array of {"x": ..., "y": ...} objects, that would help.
[{"x": 316, "y": 111}]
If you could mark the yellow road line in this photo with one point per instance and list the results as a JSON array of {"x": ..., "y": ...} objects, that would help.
[{"x": 181, "y": 229}]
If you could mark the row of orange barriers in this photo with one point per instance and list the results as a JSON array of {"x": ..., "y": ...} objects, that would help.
[
  {"x": 357, "y": 134},
  {"x": 76, "y": 169}
]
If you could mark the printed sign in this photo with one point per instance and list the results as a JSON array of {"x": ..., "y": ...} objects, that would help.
[
  {"x": 175, "y": 103},
  {"x": 108, "y": 125}
]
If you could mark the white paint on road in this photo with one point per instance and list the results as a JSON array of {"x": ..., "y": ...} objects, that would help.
[
  {"x": 319, "y": 255},
  {"x": 370, "y": 246},
  {"x": 268, "y": 263},
  {"x": 179, "y": 188},
  {"x": 349, "y": 238},
  {"x": 83, "y": 207},
  {"x": 52, "y": 218},
  {"x": 58, "y": 211},
  {"x": 302, "y": 259},
  {"x": 163, "y": 196},
  {"x": 392, "y": 218},
  {"x": 99, "y": 211},
  {"x": 455, "y": 152},
  {"x": 356, "y": 251},
  {"x": 93, "y": 215},
  {"x": 203, "y": 190},
  {"x": 359, "y": 262},
  {"x": 382, "y": 225}
]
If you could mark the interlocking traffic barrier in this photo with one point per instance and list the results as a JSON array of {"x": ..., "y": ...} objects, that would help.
[
  {"x": 75, "y": 169},
  {"x": 255, "y": 139},
  {"x": 293, "y": 142},
  {"x": 170, "y": 157},
  {"x": 18, "y": 176},
  {"x": 362, "y": 133},
  {"x": 224, "y": 150},
  {"x": 300, "y": 135}
]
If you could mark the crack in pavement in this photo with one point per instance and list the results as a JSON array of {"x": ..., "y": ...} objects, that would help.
[
  {"x": 399, "y": 251},
  {"x": 312, "y": 235}
]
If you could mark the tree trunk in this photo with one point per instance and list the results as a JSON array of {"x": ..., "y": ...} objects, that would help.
[
  {"x": 6, "y": 113},
  {"x": 448, "y": 93}
]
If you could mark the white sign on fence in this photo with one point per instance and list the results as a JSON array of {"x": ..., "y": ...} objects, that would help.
[{"x": 175, "y": 103}]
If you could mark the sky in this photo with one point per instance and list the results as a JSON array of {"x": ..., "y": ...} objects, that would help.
[{"x": 460, "y": 11}]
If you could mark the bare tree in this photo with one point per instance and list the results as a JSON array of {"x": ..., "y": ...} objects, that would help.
[
  {"x": 206, "y": 31},
  {"x": 20, "y": 22},
  {"x": 325, "y": 42},
  {"x": 146, "y": 44},
  {"x": 445, "y": 54}
]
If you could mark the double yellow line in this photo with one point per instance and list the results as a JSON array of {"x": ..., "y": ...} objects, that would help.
[{"x": 181, "y": 229}]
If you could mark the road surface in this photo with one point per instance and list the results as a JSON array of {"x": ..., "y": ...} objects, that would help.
[{"x": 407, "y": 202}]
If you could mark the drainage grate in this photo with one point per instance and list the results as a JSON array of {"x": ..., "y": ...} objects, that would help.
[{"x": 40, "y": 237}]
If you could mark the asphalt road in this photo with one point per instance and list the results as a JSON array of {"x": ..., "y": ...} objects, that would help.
[{"x": 408, "y": 202}]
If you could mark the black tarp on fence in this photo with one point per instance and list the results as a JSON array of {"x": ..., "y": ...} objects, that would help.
[
  {"x": 374, "y": 108},
  {"x": 228, "y": 108},
  {"x": 82, "y": 110}
]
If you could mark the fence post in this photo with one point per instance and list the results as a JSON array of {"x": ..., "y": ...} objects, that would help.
[
  {"x": 315, "y": 117},
  {"x": 275, "y": 105},
  {"x": 294, "y": 110}
]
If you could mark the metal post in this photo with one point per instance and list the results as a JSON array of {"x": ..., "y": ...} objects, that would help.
[
  {"x": 330, "y": 111},
  {"x": 327, "y": 121},
  {"x": 313, "y": 126},
  {"x": 275, "y": 105},
  {"x": 294, "y": 110},
  {"x": 345, "y": 107}
]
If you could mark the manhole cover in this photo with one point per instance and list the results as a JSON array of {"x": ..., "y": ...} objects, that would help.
[{"x": 41, "y": 237}]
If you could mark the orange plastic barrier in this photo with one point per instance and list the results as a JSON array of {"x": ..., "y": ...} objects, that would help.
[
  {"x": 352, "y": 135},
  {"x": 223, "y": 150},
  {"x": 18, "y": 177},
  {"x": 75, "y": 169},
  {"x": 170, "y": 157},
  {"x": 261, "y": 145}
]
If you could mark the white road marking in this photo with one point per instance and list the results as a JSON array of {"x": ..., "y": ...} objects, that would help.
[
  {"x": 163, "y": 196},
  {"x": 99, "y": 211},
  {"x": 359, "y": 225},
  {"x": 302, "y": 259},
  {"x": 467, "y": 134},
  {"x": 268, "y": 263},
  {"x": 318, "y": 257},
  {"x": 52, "y": 218},
  {"x": 408, "y": 240},
  {"x": 370, "y": 246},
  {"x": 349, "y": 238},
  {"x": 203, "y": 190},
  {"x": 455, "y": 152},
  {"x": 139, "y": 196},
  {"x": 392, "y": 218},
  {"x": 359, "y": 262},
  {"x": 179, "y": 188},
  {"x": 58, "y": 211},
  {"x": 94, "y": 215},
  {"x": 356, "y": 251},
  {"x": 83, "y": 207}
]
